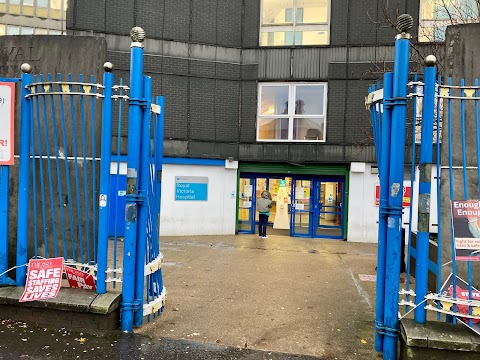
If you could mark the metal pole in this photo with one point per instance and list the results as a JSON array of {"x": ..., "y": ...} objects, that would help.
[
  {"x": 426, "y": 157},
  {"x": 395, "y": 188},
  {"x": 104, "y": 190},
  {"x": 144, "y": 176},
  {"x": 24, "y": 177},
  {"x": 133, "y": 164},
  {"x": 383, "y": 166}
]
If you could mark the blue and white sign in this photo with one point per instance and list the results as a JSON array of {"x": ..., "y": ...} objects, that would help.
[{"x": 191, "y": 188}]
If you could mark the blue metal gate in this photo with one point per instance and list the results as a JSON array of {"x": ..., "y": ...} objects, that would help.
[
  {"x": 441, "y": 113},
  {"x": 64, "y": 186}
]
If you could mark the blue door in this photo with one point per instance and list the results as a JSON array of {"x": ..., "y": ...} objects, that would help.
[
  {"x": 329, "y": 215},
  {"x": 302, "y": 207},
  {"x": 118, "y": 187}
]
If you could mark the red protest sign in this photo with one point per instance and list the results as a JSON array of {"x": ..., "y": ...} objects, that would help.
[
  {"x": 44, "y": 279},
  {"x": 79, "y": 279},
  {"x": 405, "y": 198}
]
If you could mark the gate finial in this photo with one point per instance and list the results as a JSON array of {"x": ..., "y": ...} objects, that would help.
[
  {"x": 26, "y": 68},
  {"x": 137, "y": 34},
  {"x": 430, "y": 60},
  {"x": 108, "y": 66}
]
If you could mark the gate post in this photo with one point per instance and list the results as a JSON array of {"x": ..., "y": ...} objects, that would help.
[
  {"x": 144, "y": 176},
  {"x": 395, "y": 186},
  {"x": 24, "y": 177},
  {"x": 104, "y": 191},
  {"x": 426, "y": 155},
  {"x": 383, "y": 166},
  {"x": 136, "y": 101}
]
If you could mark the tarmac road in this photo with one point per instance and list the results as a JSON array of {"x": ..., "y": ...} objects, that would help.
[{"x": 20, "y": 341}]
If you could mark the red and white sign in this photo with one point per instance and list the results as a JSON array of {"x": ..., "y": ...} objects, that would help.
[
  {"x": 44, "y": 279},
  {"x": 7, "y": 110},
  {"x": 79, "y": 279},
  {"x": 405, "y": 199}
]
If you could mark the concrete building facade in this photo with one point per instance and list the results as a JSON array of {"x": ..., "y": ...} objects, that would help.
[{"x": 261, "y": 95}]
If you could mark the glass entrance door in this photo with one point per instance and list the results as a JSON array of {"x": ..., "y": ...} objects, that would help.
[
  {"x": 301, "y": 220},
  {"x": 246, "y": 205},
  {"x": 329, "y": 214}
]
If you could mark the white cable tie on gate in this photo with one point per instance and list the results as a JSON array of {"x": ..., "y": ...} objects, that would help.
[
  {"x": 154, "y": 265},
  {"x": 153, "y": 306},
  {"x": 116, "y": 271},
  {"x": 108, "y": 280},
  {"x": 405, "y": 292},
  {"x": 406, "y": 303}
]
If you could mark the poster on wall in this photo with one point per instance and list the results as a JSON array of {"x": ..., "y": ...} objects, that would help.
[
  {"x": 466, "y": 229},
  {"x": 191, "y": 188},
  {"x": 248, "y": 190},
  {"x": 7, "y": 109},
  {"x": 406, "y": 195},
  {"x": 44, "y": 279},
  {"x": 462, "y": 292}
]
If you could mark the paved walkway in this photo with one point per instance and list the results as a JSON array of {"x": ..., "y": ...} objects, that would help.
[{"x": 290, "y": 295}]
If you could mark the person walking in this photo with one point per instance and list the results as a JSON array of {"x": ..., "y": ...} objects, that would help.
[{"x": 264, "y": 206}]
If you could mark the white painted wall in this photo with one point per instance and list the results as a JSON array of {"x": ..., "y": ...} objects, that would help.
[
  {"x": 216, "y": 216},
  {"x": 362, "y": 212}
]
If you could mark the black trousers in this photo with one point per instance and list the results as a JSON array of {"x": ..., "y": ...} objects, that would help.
[{"x": 262, "y": 224}]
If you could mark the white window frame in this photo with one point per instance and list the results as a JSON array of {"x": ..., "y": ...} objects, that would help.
[
  {"x": 430, "y": 23},
  {"x": 291, "y": 110},
  {"x": 271, "y": 28}
]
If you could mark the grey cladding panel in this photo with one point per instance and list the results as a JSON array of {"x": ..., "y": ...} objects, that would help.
[
  {"x": 277, "y": 64},
  {"x": 226, "y": 111},
  {"x": 251, "y": 23},
  {"x": 306, "y": 63},
  {"x": 229, "y": 23},
  {"x": 152, "y": 20},
  {"x": 177, "y": 20},
  {"x": 90, "y": 15},
  {"x": 204, "y": 25},
  {"x": 249, "y": 112},
  {"x": 202, "y": 109},
  {"x": 339, "y": 21},
  {"x": 120, "y": 16},
  {"x": 175, "y": 91},
  {"x": 363, "y": 15}
]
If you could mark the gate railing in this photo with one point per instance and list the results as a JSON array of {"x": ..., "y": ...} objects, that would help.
[
  {"x": 64, "y": 202},
  {"x": 445, "y": 131}
]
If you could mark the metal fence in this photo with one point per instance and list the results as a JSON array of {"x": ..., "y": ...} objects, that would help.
[
  {"x": 443, "y": 142},
  {"x": 65, "y": 202}
]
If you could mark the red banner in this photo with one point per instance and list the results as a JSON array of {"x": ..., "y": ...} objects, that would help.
[
  {"x": 405, "y": 199},
  {"x": 79, "y": 279},
  {"x": 44, "y": 279}
]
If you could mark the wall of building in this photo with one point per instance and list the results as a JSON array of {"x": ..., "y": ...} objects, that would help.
[
  {"x": 204, "y": 57},
  {"x": 215, "y": 216},
  {"x": 363, "y": 213}
]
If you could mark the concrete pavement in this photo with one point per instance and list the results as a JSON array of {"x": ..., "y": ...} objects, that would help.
[{"x": 290, "y": 295}]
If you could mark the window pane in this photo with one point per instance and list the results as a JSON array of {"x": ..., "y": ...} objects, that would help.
[
  {"x": 312, "y": 11},
  {"x": 54, "y": 32},
  {"x": 277, "y": 11},
  {"x": 309, "y": 100},
  {"x": 274, "y": 100},
  {"x": 42, "y": 3},
  {"x": 277, "y": 38},
  {"x": 13, "y": 30},
  {"x": 308, "y": 129},
  {"x": 14, "y": 2},
  {"x": 28, "y": 2},
  {"x": 2, "y": 29},
  {"x": 319, "y": 37},
  {"x": 273, "y": 129},
  {"x": 39, "y": 31},
  {"x": 27, "y": 31},
  {"x": 56, "y": 4}
]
